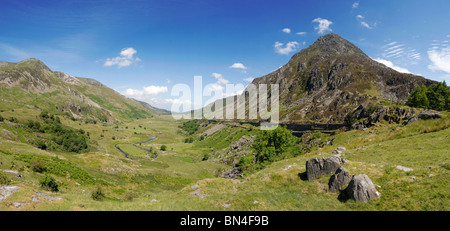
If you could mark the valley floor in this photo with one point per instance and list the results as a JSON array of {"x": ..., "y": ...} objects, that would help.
[{"x": 179, "y": 178}]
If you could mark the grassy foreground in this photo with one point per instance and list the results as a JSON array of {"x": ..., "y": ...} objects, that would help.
[{"x": 180, "y": 180}]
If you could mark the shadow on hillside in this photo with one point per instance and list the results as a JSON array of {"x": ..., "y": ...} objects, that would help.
[
  {"x": 303, "y": 176},
  {"x": 342, "y": 197}
]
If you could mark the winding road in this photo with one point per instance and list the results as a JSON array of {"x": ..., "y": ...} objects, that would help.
[{"x": 135, "y": 144}]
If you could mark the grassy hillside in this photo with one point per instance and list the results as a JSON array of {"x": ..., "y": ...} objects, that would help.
[{"x": 179, "y": 178}]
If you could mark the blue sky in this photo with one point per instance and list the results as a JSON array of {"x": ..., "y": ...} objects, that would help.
[{"x": 143, "y": 48}]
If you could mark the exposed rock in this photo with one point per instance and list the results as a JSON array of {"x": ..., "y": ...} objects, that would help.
[
  {"x": 338, "y": 150},
  {"x": 426, "y": 115},
  {"x": 19, "y": 205},
  {"x": 361, "y": 189},
  {"x": 319, "y": 166},
  {"x": 339, "y": 180},
  {"x": 7, "y": 191},
  {"x": 13, "y": 172},
  {"x": 197, "y": 193},
  {"x": 47, "y": 197},
  {"x": 370, "y": 116},
  {"x": 399, "y": 167}
]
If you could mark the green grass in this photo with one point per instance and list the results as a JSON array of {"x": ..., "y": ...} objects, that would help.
[{"x": 165, "y": 183}]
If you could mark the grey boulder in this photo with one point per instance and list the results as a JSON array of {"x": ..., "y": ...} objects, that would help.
[
  {"x": 319, "y": 166},
  {"x": 361, "y": 189},
  {"x": 339, "y": 180}
]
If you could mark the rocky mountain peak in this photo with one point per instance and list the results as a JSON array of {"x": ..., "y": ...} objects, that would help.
[{"x": 333, "y": 43}]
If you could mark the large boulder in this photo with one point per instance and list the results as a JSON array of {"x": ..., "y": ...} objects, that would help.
[
  {"x": 361, "y": 188},
  {"x": 339, "y": 180},
  {"x": 319, "y": 166}
]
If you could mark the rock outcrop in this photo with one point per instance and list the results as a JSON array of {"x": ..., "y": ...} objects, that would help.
[
  {"x": 319, "y": 166},
  {"x": 361, "y": 189},
  {"x": 370, "y": 115},
  {"x": 339, "y": 180}
]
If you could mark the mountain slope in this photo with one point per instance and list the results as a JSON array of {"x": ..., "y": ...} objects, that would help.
[
  {"x": 333, "y": 77},
  {"x": 31, "y": 83}
]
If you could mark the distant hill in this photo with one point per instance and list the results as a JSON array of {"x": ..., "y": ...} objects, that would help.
[
  {"x": 333, "y": 77},
  {"x": 31, "y": 83}
]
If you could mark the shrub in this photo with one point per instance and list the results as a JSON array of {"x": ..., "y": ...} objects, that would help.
[
  {"x": 349, "y": 120},
  {"x": 98, "y": 194},
  {"x": 38, "y": 165},
  {"x": 49, "y": 183},
  {"x": 163, "y": 147},
  {"x": 1, "y": 118},
  {"x": 40, "y": 144},
  {"x": 206, "y": 157},
  {"x": 4, "y": 180}
]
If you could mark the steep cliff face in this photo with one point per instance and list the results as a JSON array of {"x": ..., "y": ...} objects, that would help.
[{"x": 333, "y": 77}]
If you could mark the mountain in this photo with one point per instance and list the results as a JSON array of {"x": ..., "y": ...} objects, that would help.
[
  {"x": 30, "y": 83},
  {"x": 333, "y": 77}
]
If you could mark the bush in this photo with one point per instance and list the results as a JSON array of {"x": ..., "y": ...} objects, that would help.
[
  {"x": 98, "y": 194},
  {"x": 206, "y": 157},
  {"x": 1, "y": 118},
  {"x": 49, "y": 183},
  {"x": 4, "y": 180},
  {"x": 190, "y": 127},
  {"x": 40, "y": 144},
  {"x": 163, "y": 147},
  {"x": 38, "y": 165},
  {"x": 349, "y": 120}
]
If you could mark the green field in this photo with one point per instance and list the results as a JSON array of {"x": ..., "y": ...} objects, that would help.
[{"x": 179, "y": 178}]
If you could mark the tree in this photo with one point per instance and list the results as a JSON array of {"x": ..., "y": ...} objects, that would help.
[
  {"x": 163, "y": 147},
  {"x": 436, "y": 97},
  {"x": 270, "y": 143}
]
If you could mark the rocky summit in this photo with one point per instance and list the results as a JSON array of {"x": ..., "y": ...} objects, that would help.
[{"x": 333, "y": 77}]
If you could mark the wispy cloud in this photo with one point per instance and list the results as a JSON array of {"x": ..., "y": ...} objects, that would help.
[
  {"x": 395, "y": 50},
  {"x": 301, "y": 33},
  {"x": 288, "y": 48},
  {"x": 439, "y": 55},
  {"x": 391, "y": 65},
  {"x": 220, "y": 79},
  {"x": 124, "y": 60},
  {"x": 249, "y": 79},
  {"x": 355, "y": 5},
  {"x": 324, "y": 25},
  {"x": 360, "y": 18}
]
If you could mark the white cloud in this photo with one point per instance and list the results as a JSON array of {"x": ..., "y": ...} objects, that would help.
[
  {"x": 290, "y": 47},
  {"x": 220, "y": 79},
  {"x": 124, "y": 60},
  {"x": 301, "y": 33},
  {"x": 238, "y": 66},
  {"x": 355, "y": 5},
  {"x": 324, "y": 25},
  {"x": 440, "y": 58},
  {"x": 364, "y": 24},
  {"x": 391, "y": 65},
  {"x": 128, "y": 52},
  {"x": 286, "y": 30},
  {"x": 249, "y": 79},
  {"x": 145, "y": 92}
]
